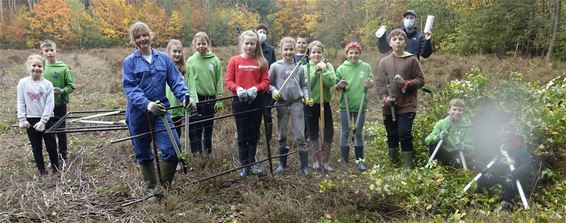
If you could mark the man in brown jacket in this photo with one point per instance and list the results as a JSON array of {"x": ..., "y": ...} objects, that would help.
[{"x": 399, "y": 77}]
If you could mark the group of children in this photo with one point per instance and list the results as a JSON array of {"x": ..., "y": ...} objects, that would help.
[
  {"x": 153, "y": 81},
  {"x": 42, "y": 99}
]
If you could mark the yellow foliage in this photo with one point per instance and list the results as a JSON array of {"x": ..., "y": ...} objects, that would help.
[
  {"x": 114, "y": 18},
  {"x": 51, "y": 19},
  {"x": 174, "y": 25}
]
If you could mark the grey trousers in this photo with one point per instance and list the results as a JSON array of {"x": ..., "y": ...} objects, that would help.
[
  {"x": 345, "y": 130},
  {"x": 295, "y": 112}
]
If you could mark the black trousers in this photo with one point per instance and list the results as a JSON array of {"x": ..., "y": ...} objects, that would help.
[
  {"x": 400, "y": 130},
  {"x": 247, "y": 126},
  {"x": 202, "y": 131},
  {"x": 59, "y": 112},
  {"x": 36, "y": 139},
  {"x": 313, "y": 121}
]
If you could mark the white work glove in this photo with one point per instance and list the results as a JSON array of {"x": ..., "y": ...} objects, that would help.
[
  {"x": 39, "y": 126},
  {"x": 24, "y": 124},
  {"x": 252, "y": 93},
  {"x": 190, "y": 105},
  {"x": 156, "y": 108},
  {"x": 57, "y": 91},
  {"x": 275, "y": 94},
  {"x": 242, "y": 94}
]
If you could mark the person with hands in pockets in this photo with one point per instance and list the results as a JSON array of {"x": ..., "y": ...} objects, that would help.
[
  {"x": 145, "y": 74},
  {"x": 399, "y": 77},
  {"x": 247, "y": 78}
]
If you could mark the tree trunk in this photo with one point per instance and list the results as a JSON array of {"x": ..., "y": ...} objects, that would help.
[{"x": 555, "y": 29}]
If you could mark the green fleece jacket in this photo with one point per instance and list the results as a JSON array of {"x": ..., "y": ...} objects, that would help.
[
  {"x": 328, "y": 81},
  {"x": 174, "y": 102},
  {"x": 355, "y": 75},
  {"x": 59, "y": 74},
  {"x": 460, "y": 131},
  {"x": 205, "y": 74}
]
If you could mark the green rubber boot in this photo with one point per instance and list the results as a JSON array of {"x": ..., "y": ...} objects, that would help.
[
  {"x": 408, "y": 159},
  {"x": 150, "y": 180},
  {"x": 168, "y": 170}
]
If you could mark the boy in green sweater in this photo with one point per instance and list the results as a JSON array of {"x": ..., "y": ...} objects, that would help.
[
  {"x": 455, "y": 132},
  {"x": 59, "y": 74}
]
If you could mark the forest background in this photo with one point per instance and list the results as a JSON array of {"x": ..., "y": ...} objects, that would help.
[
  {"x": 518, "y": 27},
  {"x": 501, "y": 54}
]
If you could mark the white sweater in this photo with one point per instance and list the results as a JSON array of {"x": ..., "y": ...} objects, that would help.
[{"x": 35, "y": 99}]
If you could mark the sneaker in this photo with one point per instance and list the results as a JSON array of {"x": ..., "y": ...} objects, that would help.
[
  {"x": 256, "y": 170},
  {"x": 361, "y": 167}
]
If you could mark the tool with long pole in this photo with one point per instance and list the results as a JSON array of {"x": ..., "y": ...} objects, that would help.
[
  {"x": 517, "y": 182},
  {"x": 187, "y": 123},
  {"x": 180, "y": 156},
  {"x": 154, "y": 146},
  {"x": 345, "y": 95},
  {"x": 459, "y": 144},
  {"x": 436, "y": 149},
  {"x": 295, "y": 69},
  {"x": 321, "y": 152},
  {"x": 360, "y": 110},
  {"x": 477, "y": 177}
]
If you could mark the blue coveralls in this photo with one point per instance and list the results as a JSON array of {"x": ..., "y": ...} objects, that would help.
[{"x": 144, "y": 83}]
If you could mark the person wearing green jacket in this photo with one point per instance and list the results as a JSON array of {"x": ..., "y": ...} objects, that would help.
[
  {"x": 205, "y": 74},
  {"x": 353, "y": 77},
  {"x": 455, "y": 132},
  {"x": 319, "y": 68},
  {"x": 59, "y": 74},
  {"x": 175, "y": 51}
]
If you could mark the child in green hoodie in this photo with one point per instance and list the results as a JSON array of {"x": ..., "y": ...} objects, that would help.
[
  {"x": 59, "y": 74},
  {"x": 354, "y": 78},
  {"x": 455, "y": 132},
  {"x": 205, "y": 73},
  {"x": 175, "y": 51}
]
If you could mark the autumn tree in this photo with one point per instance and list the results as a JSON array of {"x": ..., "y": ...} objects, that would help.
[
  {"x": 51, "y": 19},
  {"x": 114, "y": 18}
]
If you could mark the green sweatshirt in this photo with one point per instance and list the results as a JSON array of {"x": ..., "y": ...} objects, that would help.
[
  {"x": 174, "y": 102},
  {"x": 462, "y": 128},
  {"x": 205, "y": 74},
  {"x": 59, "y": 74},
  {"x": 354, "y": 75},
  {"x": 328, "y": 81}
]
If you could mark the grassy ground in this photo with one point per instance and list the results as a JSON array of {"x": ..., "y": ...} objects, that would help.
[{"x": 100, "y": 176}]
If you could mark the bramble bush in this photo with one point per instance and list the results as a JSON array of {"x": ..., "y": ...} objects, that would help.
[{"x": 539, "y": 115}]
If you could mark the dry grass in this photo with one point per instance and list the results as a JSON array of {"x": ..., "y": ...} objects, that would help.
[{"x": 102, "y": 176}]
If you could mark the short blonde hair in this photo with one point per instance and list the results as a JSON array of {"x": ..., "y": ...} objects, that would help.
[
  {"x": 456, "y": 102},
  {"x": 139, "y": 27},
  {"x": 286, "y": 40},
  {"x": 316, "y": 43},
  {"x": 47, "y": 43}
]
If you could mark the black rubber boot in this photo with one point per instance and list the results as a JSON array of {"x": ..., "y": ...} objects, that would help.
[
  {"x": 359, "y": 152},
  {"x": 408, "y": 159},
  {"x": 304, "y": 156},
  {"x": 282, "y": 160},
  {"x": 345, "y": 153}
]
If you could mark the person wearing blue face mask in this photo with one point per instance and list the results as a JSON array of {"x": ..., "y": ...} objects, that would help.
[{"x": 417, "y": 43}]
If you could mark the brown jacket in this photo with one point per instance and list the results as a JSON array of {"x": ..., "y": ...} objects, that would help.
[{"x": 409, "y": 68}]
